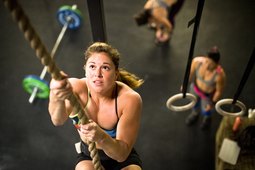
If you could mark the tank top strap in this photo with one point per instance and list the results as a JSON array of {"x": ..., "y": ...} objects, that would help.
[{"x": 116, "y": 101}]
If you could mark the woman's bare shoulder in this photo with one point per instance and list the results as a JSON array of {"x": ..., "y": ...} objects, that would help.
[
  {"x": 128, "y": 93},
  {"x": 129, "y": 101},
  {"x": 199, "y": 59}
]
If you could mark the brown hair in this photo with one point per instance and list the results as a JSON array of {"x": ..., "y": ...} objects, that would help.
[
  {"x": 124, "y": 76},
  {"x": 214, "y": 54}
]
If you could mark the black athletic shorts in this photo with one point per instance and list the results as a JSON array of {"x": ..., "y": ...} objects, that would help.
[{"x": 107, "y": 162}]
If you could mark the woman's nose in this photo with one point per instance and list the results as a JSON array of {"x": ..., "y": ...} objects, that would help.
[{"x": 98, "y": 73}]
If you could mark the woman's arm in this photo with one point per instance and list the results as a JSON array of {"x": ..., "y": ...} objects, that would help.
[
  {"x": 220, "y": 84},
  {"x": 127, "y": 130},
  {"x": 59, "y": 105},
  {"x": 57, "y": 110},
  {"x": 60, "y": 91},
  {"x": 193, "y": 67}
]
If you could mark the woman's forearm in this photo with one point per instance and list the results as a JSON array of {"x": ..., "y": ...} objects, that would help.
[
  {"x": 116, "y": 149},
  {"x": 57, "y": 110}
]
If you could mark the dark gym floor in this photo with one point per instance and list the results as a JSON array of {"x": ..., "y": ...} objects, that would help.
[{"x": 29, "y": 141}]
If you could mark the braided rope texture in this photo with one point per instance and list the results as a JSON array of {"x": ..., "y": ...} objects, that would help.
[{"x": 36, "y": 44}]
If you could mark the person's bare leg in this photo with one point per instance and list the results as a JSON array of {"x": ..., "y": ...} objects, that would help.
[{"x": 86, "y": 164}]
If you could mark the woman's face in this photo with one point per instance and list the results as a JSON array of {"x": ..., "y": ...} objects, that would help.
[
  {"x": 100, "y": 72},
  {"x": 211, "y": 65}
]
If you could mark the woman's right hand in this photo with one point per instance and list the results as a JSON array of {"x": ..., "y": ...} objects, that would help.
[{"x": 62, "y": 89}]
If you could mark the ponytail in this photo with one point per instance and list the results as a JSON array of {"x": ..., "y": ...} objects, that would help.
[{"x": 130, "y": 79}]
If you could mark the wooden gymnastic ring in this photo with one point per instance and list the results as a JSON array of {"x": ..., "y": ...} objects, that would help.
[
  {"x": 229, "y": 101},
  {"x": 191, "y": 97}
]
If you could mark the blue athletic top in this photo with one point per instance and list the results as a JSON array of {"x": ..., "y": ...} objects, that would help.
[{"x": 112, "y": 132}]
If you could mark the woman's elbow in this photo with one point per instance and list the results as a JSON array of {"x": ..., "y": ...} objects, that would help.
[
  {"x": 57, "y": 122},
  {"x": 122, "y": 158}
]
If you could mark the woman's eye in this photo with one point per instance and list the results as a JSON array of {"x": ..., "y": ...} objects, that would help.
[
  {"x": 92, "y": 66},
  {"x": 106, "y": 68}
]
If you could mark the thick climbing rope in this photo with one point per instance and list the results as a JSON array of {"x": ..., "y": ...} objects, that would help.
[{"x": 30, "y": 34}]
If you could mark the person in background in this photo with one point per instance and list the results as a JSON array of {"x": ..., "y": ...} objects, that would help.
[
  {"x": 159, "y": 15},
  {"x": 110, "y": 102},
  {"x": 207, "y": 79}
]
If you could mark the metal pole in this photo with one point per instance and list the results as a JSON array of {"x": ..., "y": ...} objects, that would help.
[
  {"x": 53, "y": 52},
  {"x": 97, "y": 20}
]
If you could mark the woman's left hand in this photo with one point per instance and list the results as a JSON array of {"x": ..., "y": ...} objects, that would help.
[{"x": 91, "y": 132}]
